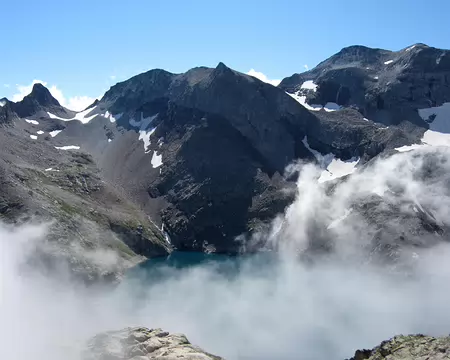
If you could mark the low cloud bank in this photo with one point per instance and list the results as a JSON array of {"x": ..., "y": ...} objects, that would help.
[{"x": 275, "y": 306}]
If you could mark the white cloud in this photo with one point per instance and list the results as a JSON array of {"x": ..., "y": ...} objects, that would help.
[
  {"x": 306, "y": 67},
  {"x": 6, "y": 85},
  {"x": 76, "y": 103},
  {"x": 113, "y": 77},
  {"x": 262, "y": 77}
]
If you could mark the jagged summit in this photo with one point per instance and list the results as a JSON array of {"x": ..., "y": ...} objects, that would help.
[
  {"x": 42, "y": 96},
  {"x": 39, "y": 102}
]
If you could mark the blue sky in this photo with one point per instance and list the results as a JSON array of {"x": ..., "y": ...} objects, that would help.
[{"x": 83, "y": 47}]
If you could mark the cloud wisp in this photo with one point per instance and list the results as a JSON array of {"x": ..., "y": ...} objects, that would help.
[
  {"x": 322, "y": 295},
  {"x": 263, "y": 77}
]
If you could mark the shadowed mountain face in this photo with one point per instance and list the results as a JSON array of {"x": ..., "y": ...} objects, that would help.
[
  {"x": 203, "y": 153},
  {"x": 385, "y": 86}
]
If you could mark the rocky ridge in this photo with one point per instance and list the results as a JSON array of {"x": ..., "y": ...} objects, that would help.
[
  {"x": 384, "y": 86},
  {"x": 201, "y": 155},
  {"x": 408, "y": 347}
]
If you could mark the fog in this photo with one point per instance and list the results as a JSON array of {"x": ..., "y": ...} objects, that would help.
[{"x": 329, "y": 290}]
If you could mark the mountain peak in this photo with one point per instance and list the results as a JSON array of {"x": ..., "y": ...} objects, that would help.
[
  {"x": 222, "y": 68},
  {"x": 42, "y": 95}
]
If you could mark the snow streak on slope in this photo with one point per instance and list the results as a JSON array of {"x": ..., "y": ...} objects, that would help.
[
  {"x": 68, "y": 147},
  {"x": 310, "y": 85},
  {"x": 144, "y": 133},
  {"x": 156, "y": 160},
  {"x": 54, "y": 133},
  {"x": 34, "y": 122},
  {"x": 81, "y": 116}
]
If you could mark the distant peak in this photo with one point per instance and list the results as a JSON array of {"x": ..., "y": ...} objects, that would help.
[
  {"x": 42, "y": 95},
  {"x": 222, "y": 69},
  {"x": 221, "y": 66}
]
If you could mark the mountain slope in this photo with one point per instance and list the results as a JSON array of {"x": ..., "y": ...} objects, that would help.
[
  {"x": 385, "y": 86},
  {"x": 87, "y": 218},
  {"x": 203, "y": 154}
]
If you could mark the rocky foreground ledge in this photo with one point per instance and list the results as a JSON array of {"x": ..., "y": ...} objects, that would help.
[
  {"x": 143, "y": 344},
  {"x": 408, "y": 347}
]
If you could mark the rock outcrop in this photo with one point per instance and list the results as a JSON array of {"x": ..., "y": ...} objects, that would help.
[
  {"x": 408, "y": 347},
  {"x": 143, "y": 343}
]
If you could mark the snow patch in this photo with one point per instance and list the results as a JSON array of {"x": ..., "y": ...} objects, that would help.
[
  {"x": 439, "y": 132},
  {"x": 302, "y": 101},
  {"x": 376, "y": 77},
  {"x": 109, "y": 140},
  {"x": 68, "y": 147},
  {"x": 388, "y": 62},
  {"x": 156, "y": 160},
  {"x": 435, "y": 138},
  {"x": 112, "y": 118},
  {"x": 333, "y": 168},
  {"x": 40, "y": 132},
  {"x": 441, "y": 121},
  {"x": 34, "y": 137},
  {"x": 51, "y": 169},
  {"x": 80, "y": 116},
  {"x": 34, "y": 122},
  {"x": 410, "y": 48},
  {"x": 339, "y": 168},
  {"x": 144, "y": 135},
  {"x": 54, "y": 133},
  {"x": 310, "y": 85},
  {"x": 331, "y": 106},
  {"x": 2, "y": 103}
]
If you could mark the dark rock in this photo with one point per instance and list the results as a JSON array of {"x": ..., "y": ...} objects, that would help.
[{"x": 385, "y": 86}]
